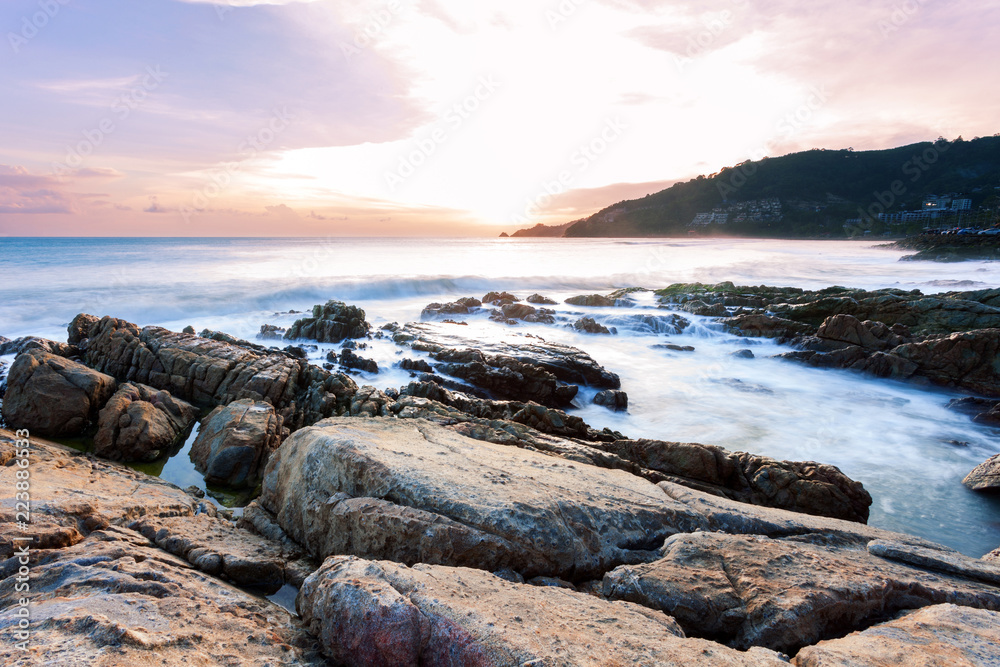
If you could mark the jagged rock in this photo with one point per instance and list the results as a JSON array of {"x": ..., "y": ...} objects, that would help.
[
  {"x": 591, "y": 300},
  {"x": 724, "y": 587},
  {"x": 271, "y": 332},
  {"x": 499, "y": 298},
  {"x": 350, "y": 360},
  {"x": 235, "y": 441},
  {"x": 808, "y": 487},
  {"x": 140, "y": 423},
  {"x": 79, "y": 328},
  {"x": 937, "y": 560},
  {"x": 115, "y": 599},
  {"x": 370, "y": 402},
  {"x": 416, "y": 365},
  {"x": 766, "y": 326},
  {"x": 567, "y": 363},
  {"x": 331, "y": 323},
  {"x": 462, "y": 306},
  {"x": 944, "y": 634},
  {"x": 698, "y": 307},
  {"x": 53, "y": 396},
  {"x": 413, "y": 491},
  {"x": 985, "y": 476},
  {"x": 539, "y": 299},
  {"x": 383, "y": 613},
  {"x": 522, "y": 311},
  {"x": 28, "y": 343},
  {"x": 506, "y": 378},
  {"x": 209, "y": 373},
  {"x": 612, "y": 399},
  {"x": 967, "y": 360},
  {"x": 588, "y": 325},
  {"x": 868, "y": 334}
]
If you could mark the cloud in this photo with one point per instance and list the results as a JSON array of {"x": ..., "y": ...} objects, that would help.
[{"x": 154, "y": 206}]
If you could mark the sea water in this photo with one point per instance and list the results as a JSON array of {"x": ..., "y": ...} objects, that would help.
[{"x": 899, "y": 439}]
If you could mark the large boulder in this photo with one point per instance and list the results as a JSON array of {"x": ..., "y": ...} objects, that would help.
[
  {"x": 53, "y": 396},
  {"x": 385, "y": 614},
  {"x": 985, "y": 476},
  {"x": 413, "y": 491},
  {"x": 331, "y": 323},
  {"x": 784, "y": 593},
  {"x": 235, "y": 441},
  {"x": 969, "y": 360},
  {"x": 140, "y": 423},
  {"x": 766, "y": 326},
  {"x": 935, "y": 636},
  {"x": 591, "y": 300},
  {"x": 869, "y": 335}
]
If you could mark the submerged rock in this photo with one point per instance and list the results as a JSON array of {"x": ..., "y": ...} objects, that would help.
[
  {"x": 140, "y": 423},
  {"x": 53, "y": 396},
  {"x": 331, "y": 323},
  {"x": 383, "y": 613},
  {"x": 613, "y": 399},
  {"x": 235, "y": 441},
  {"x": 588, "y": 325}
]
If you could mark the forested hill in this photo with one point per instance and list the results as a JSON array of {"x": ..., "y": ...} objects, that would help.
[{"x": 812, "y": 193}]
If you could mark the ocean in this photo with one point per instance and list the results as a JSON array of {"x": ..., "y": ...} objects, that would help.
[{"x": 898, "y": 439}]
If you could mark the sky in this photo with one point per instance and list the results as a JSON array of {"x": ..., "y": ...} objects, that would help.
[{"x": 450, "y": 117}]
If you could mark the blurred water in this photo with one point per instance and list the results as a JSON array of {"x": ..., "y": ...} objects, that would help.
[{"x": 895, "y": 438}]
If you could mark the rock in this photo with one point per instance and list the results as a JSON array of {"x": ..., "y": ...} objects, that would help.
[
  {"x": 413, "y": 491},
  {"x": 993, "y": 556},
  {"x": 270, "y": 332},
  {"x": 28, "y": 343},
  {"x": 612, "y": 399},
  {"x": 462, "y": 306},
  {"x": 673, "y": 347},
  {"x": 115, "y": 599},
  {"x": 723, "y": 587},
  {"x": 140, "y": 423},
  {"x": 209, "y": 373},
  {"x": 499, "y": 298},
  {"x": 985, "y": 476},
  {"x": 370, "y": 402},
  {"x": 188, "y": 329},
  {"x": 766, "y": 326},
  {"x": 331, "y": 323},
  {"x": 588, "y": 325},
  {"x": 539, "y": 299},
  {"x": 522, "y": 311},
  {"x": 418, "y": 365},
  {"x": 53, "y": 396},
  {"x": 235, "y": 441},
  {"x": 507, "y": 378},
  {"x": 743, "y": 354},
  {"x": 703, "y": 309},
  {"x": 350, "y": 360},
  {"x": 568, "y": 364},
  {"x": 807, "y": 487},
  {"x": 383, "y": 613},
  {"x": 937, "y": 560},
  {"x": 944, "y": 634},
  {"x": 79, "y": 328},
  {"x": 966, "y": 360},
  {"x": 869, "y": 335},
  {"x": 590, "y": 300}
]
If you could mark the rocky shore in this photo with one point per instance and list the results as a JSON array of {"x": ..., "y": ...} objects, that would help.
[
  {"x": 467, "y": 518},
  {"x": 949, "y": 247}
]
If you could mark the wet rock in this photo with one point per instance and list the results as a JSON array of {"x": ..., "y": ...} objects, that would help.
[
  {"x": 799, "y": 486},
  {"x": 591, "y": 300},
  {"x": 418, "y": 365},
  {"x": 612, "y": 399},
  {"x": 235, "y": 441},
  {"x": 985, "y": 476},
  {"x": 383, "y": 613},
  {"x": 506, "y": 378},
  {"x": 522, "y": 311},
  {"x": 79, "y": 328},
  {"x": 674, "y": 348},
  {"x": 766, "y": 326},
  {"x": 649, "y": 324},
  {"x": 588, "y": 325},
  {"x": 698, "y": 307},
  {"x": 723, "y": 587},
  {"x": 28, "y": 343},
  {"x": 331, "y": 323},
  {"x": 53, "y": 396},
  {"x": 462, "y": 306},
  {"x": 743, "y": 354},
  {"x": 350, "y": 360},
  {"x": 140, "y": 423},
  {"x": 270, "y": 332},
  {"x": 937, "y": 560},
  {"x": 413, "y": 491},
  {"x": 370, "y": 402},
  {"x": 500, "y": 298},
  {"x": 966, "y": 360},
  {"x": 539, "y": 299},
  {"x": 944, "y": 634},
  {"x": 209, "y": 373},
  {"x": 868, "y": 334}
]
